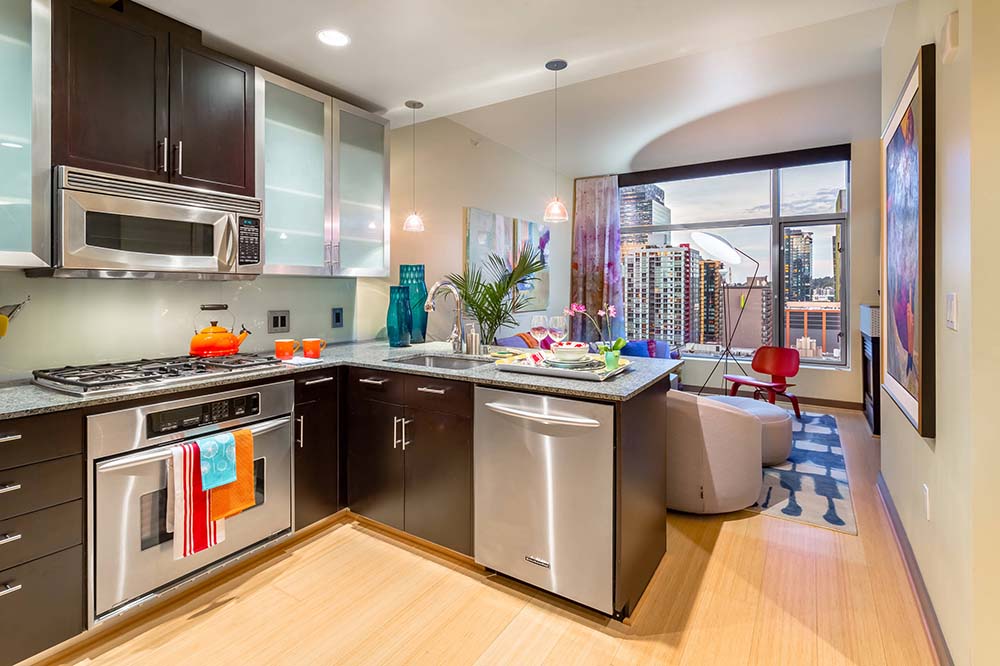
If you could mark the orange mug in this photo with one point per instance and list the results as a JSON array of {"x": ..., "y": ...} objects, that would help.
[
  {"x": 285, "y": 349},
  {"x": 311, "y": 347}
]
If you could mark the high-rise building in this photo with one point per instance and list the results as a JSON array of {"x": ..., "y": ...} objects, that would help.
[
  {"x": 755, "y": 327},
  {"x": 836, "y": 264},
  {"x": 711, "y": 302},
  {"x": 660, "y": 285},
  {"x": 798, "y": 247},
  {"x": 642, "y": 205}
]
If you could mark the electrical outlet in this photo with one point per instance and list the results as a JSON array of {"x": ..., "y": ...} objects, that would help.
[
  {"x": 927, "y": 502},
  {"x": 278, "y": 321},
  {"x": 337, "y": 317}
]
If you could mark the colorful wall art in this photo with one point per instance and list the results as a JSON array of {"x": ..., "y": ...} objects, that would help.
[{"x": 537, "y": 237}]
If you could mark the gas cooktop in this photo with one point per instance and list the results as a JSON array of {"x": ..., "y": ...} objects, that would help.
[{"x": 133, "y": 376}]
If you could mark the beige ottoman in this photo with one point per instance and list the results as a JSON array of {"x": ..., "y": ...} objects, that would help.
[{"x": 775, "y": 423}]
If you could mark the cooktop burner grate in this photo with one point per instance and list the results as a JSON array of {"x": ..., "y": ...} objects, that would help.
[{"x": 115, "y": 377}]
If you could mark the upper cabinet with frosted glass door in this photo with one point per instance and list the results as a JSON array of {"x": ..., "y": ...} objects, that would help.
[
  {"x": 25, "y": 177},
  {"x": 324, "y": 169},
  {"x": 295, "y": 166},
  {"x": 361, "y": 193}
]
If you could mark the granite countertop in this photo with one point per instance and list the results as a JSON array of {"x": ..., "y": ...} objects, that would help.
[{"x": 24, "y": 399}]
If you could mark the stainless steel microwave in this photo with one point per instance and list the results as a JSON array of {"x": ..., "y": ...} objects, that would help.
[{"x": 114, "y": 226}]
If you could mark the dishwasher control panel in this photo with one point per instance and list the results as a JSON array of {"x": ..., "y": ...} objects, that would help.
[{"x": 206, "y": 413}]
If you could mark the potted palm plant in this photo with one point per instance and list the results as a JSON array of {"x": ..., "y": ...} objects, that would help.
[{"x": 492, "y": 295}]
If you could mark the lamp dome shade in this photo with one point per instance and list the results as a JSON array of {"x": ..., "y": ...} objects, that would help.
[
  {"x": 716, "y": 247},
  {"x": 556, "y": 212},
  {"x": 413, "y": 222}
]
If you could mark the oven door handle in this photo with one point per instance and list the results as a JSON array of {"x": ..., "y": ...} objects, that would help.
[{"x": 164, "y": 452}]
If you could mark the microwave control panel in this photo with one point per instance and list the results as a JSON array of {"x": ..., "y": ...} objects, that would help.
[
  {"x": 206, "y": 413},
  {"x": 249, "y": 240}
]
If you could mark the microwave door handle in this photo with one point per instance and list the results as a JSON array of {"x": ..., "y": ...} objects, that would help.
[{"x": 230, "y": 242}]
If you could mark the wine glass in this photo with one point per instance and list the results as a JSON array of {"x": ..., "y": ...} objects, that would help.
[
  {"x": 558, "y": 328},
  {"x": 539, "y": 327}
]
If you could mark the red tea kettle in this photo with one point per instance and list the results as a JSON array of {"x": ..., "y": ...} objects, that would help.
[{"x": 215, "y": 340}]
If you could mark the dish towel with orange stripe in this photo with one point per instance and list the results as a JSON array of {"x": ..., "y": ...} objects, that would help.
[
  {"x": 238, "y": 496},
  {"x": 193, "y": 527}
]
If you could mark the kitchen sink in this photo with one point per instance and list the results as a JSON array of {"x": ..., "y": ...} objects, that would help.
[{"x": 447, "y": 362}]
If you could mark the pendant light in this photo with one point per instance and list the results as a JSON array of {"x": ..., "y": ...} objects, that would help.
[
  {"x": 555, "y": 212},
  {"x": 413, "y": 221}
]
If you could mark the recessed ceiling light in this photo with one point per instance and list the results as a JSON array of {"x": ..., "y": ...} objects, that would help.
[
  {"x": 10, "y": 144},
  {"x": 332, "y": 37}
]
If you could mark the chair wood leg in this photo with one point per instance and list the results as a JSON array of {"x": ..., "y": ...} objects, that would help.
[
  {"x": 734, "y": 388},
  {"x": 771, "y": 396},
  {"x": 795, "y": 404}
]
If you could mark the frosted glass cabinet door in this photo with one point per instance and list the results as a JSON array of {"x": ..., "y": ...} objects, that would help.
[
  {"x": 362, "y": 243},
  {"x": 297, "y": 177},
  {"x": 24, "y": 130}
]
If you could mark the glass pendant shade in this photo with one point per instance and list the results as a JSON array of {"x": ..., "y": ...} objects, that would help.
[
  {"x": 413, "y": 222},
  {"x": 556, "y": 211}
]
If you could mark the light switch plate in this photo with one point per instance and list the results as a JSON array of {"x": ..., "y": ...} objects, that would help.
[
  {"x": 337, "y": 317},
  {"x": 951, "y": 311},
  {"x": 278, "y": 321}
]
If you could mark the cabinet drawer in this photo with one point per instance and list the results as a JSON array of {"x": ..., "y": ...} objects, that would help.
[
  {"x": 376, "y": 385},
  {"x": 36, "y": 438},
  {"x": 442, "y": 395},
  {"x": 33, "y": 487},
  {"x": 33, "y": 535},
  {"x": 317, "y": 386},
  {"x": 41, "y": 604}
]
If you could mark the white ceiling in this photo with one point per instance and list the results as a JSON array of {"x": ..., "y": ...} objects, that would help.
[
  {"x": 811, "y": 86},
  {"x": 457, "y": 55}
]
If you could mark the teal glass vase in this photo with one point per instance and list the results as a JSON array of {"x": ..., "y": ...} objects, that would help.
[
  {"x": 398, "y": 320},
  {"x": 412, "y": 276}
]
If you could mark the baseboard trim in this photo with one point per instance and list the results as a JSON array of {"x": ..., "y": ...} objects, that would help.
[
  {"x": 932, "y": 626},
  {"x": 804, "y": 400}
]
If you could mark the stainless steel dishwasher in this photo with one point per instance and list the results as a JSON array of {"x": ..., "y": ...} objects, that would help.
[{"x": 544, "y": 493}]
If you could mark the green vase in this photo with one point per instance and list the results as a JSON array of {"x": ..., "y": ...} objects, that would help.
[
  {"x": 611, "y": 359},
  {"x": 412, "y": 276},
  {"x": 398, "y": 320}
]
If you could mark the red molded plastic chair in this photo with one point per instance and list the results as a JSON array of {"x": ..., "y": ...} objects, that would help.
[{"x": 779, "y": 362}]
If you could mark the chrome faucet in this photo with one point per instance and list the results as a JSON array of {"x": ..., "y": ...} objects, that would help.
[{"x": 456, "y": 332}]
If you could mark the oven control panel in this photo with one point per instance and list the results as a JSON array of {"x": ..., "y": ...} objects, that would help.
[
  {"x": 249, "y": 240},
  {"x": 206, "y": 413}
]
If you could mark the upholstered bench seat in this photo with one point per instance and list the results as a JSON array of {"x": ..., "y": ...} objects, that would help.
[{"x": 775, "y": 422}]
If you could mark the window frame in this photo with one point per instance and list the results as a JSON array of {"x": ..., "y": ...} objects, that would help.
[{"x": 778, "y": 223}]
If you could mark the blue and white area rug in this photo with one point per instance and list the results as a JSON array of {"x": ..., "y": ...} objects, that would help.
[{"x": 811, "y": 486}]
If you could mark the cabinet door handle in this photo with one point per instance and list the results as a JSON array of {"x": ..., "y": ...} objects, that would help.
[
  {"x": 166, "y": 149},
  {"x": 8, "y": 538},
  {"x": 9, "y": 438},
  {"x": 9, "y": 589},
  {"x": 321, "y": 380},
  {"x": 405, "y": 423},
  {"x": 396, "y": 441},
  {"x": 9, "y": 488},
  {"x": 428, "y": 389},
  {"x": 180, "y": 159},
  {"x": 376, "y": 382},
  {"x": 302, "y": 431}
]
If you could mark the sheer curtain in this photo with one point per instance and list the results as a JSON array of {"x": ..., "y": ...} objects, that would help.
[{"x": 596, "y": 279}]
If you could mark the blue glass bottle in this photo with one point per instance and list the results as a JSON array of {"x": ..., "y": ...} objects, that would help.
[
  {"x": 412, "y": 276},
  {"x": 398, "y": 320}
]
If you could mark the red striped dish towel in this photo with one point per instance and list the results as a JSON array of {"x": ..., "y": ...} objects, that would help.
[{"x": 193, "y": 527}]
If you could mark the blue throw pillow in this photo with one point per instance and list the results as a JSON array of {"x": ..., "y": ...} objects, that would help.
[{"x": 636, "y": 348}]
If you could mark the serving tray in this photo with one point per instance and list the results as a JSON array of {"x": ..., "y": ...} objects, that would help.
[{"x": 533, "y": 364}]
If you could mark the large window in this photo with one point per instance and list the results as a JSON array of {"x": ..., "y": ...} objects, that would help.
[{"x": 790, "y": 222}]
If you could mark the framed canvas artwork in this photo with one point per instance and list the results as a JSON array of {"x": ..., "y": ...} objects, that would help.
[
  {"x": 487, "y": 233},
  {"x": 536, "y": 236},
  {"x": 908, "y": 247}
]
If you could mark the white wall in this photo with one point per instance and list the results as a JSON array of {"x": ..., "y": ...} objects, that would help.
[
  {"x": 842, "y": 384},
  {"x": 457, "y": 168},
  {"x": 93, "y": 321},
  {"x": 943, "y": 544}
]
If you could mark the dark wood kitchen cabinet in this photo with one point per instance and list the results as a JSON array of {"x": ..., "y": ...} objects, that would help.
[
  {"x": 410, "y": 460},
  {"x": 135, "y": 93},
  {"x": 316, "y": 447}
]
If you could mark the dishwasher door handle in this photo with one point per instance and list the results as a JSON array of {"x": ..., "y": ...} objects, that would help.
[{"x": 541, "y": 417}]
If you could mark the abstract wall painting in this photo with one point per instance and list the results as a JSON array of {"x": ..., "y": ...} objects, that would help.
[
  {"x": 487, "y": 233},
  {"x": 536, "y": 236},
  {"x": 908, "y": 247}
]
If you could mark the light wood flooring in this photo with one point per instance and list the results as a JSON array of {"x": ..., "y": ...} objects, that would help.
[{"x": 736, "y": 589}]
